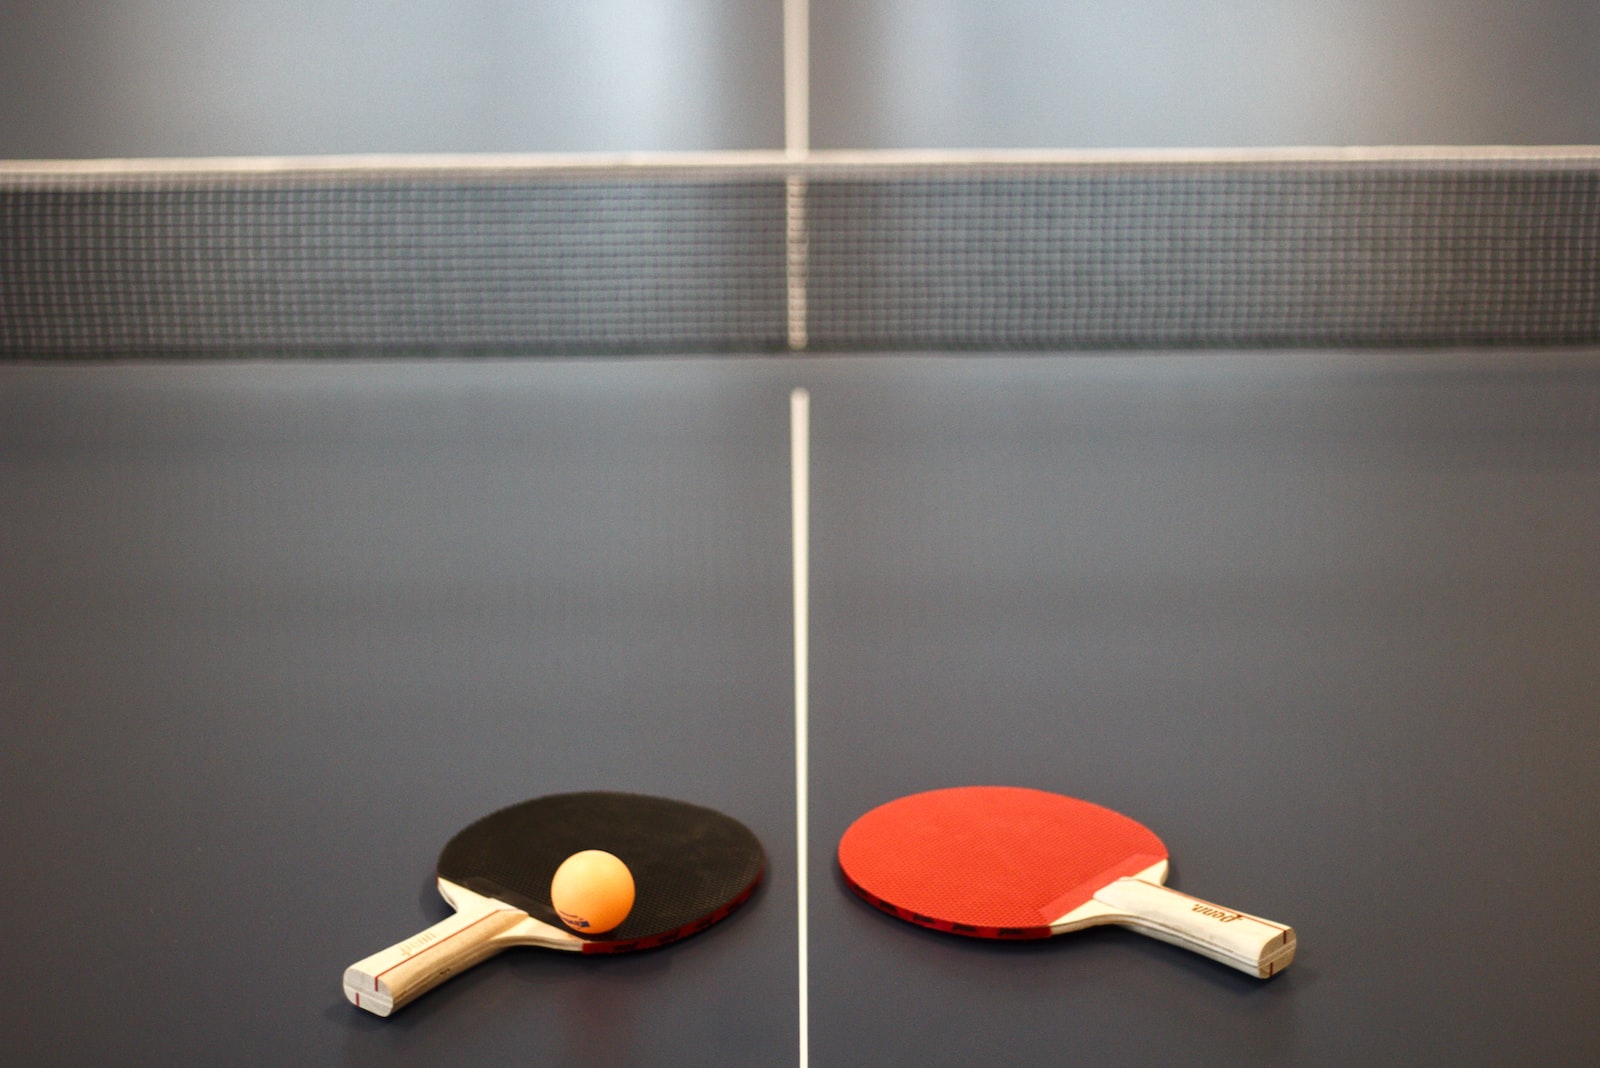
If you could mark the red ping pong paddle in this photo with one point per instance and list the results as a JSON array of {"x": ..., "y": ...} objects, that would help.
[
  {"x": 691, "y": 867},
  {"x": 1009, "y": 862}
]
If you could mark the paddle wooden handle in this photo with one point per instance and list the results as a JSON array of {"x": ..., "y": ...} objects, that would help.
[
  {"x": 392, "y": 977},
  {"x": 1251, "y": 944}
]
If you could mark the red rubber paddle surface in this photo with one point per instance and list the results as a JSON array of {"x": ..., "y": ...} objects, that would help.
[{"x": 991, "y": 861}]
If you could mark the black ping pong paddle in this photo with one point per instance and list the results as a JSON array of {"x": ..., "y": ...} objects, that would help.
[{"x": 691, "y": 866}]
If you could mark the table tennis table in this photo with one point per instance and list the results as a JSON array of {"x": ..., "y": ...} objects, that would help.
[{"x": 302, "y": 572}]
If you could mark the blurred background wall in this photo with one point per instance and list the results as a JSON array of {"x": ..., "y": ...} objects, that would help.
[{"x": 223, "y": 77}]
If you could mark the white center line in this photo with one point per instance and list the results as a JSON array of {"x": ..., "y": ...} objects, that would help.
[
  {"x": 796, "y": 79},
  {"x": 800, "y": 511},
  {"x": 796, "y": 147}
]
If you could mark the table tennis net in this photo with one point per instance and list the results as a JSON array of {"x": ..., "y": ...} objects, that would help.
[{"x": 736, "y": 254}]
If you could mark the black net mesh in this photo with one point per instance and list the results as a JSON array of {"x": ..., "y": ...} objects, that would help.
[
  {"x": 840, "y": 256},
  {"x": 539, "y": 262},
  {"x": 1205, "y": 256}
]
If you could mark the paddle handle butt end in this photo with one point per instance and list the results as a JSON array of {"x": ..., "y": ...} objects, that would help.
[{"x": 1253, "y": 945}]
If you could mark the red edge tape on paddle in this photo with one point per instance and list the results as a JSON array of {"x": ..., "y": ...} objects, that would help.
[{"x": 678, "y": 935}]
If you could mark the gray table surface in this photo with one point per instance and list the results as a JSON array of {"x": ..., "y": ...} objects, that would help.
[
  {"x": 209, "y": 78},
  {"x": 1326, "y": 621}
]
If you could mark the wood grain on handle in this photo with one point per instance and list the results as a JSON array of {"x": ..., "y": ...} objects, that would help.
[
  {"x": 392, "y": 977},
  {"x": 1249, "y": 943}
]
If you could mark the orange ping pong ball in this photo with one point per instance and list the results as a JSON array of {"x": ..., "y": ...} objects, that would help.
[{"x": 592, "y": 891}]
